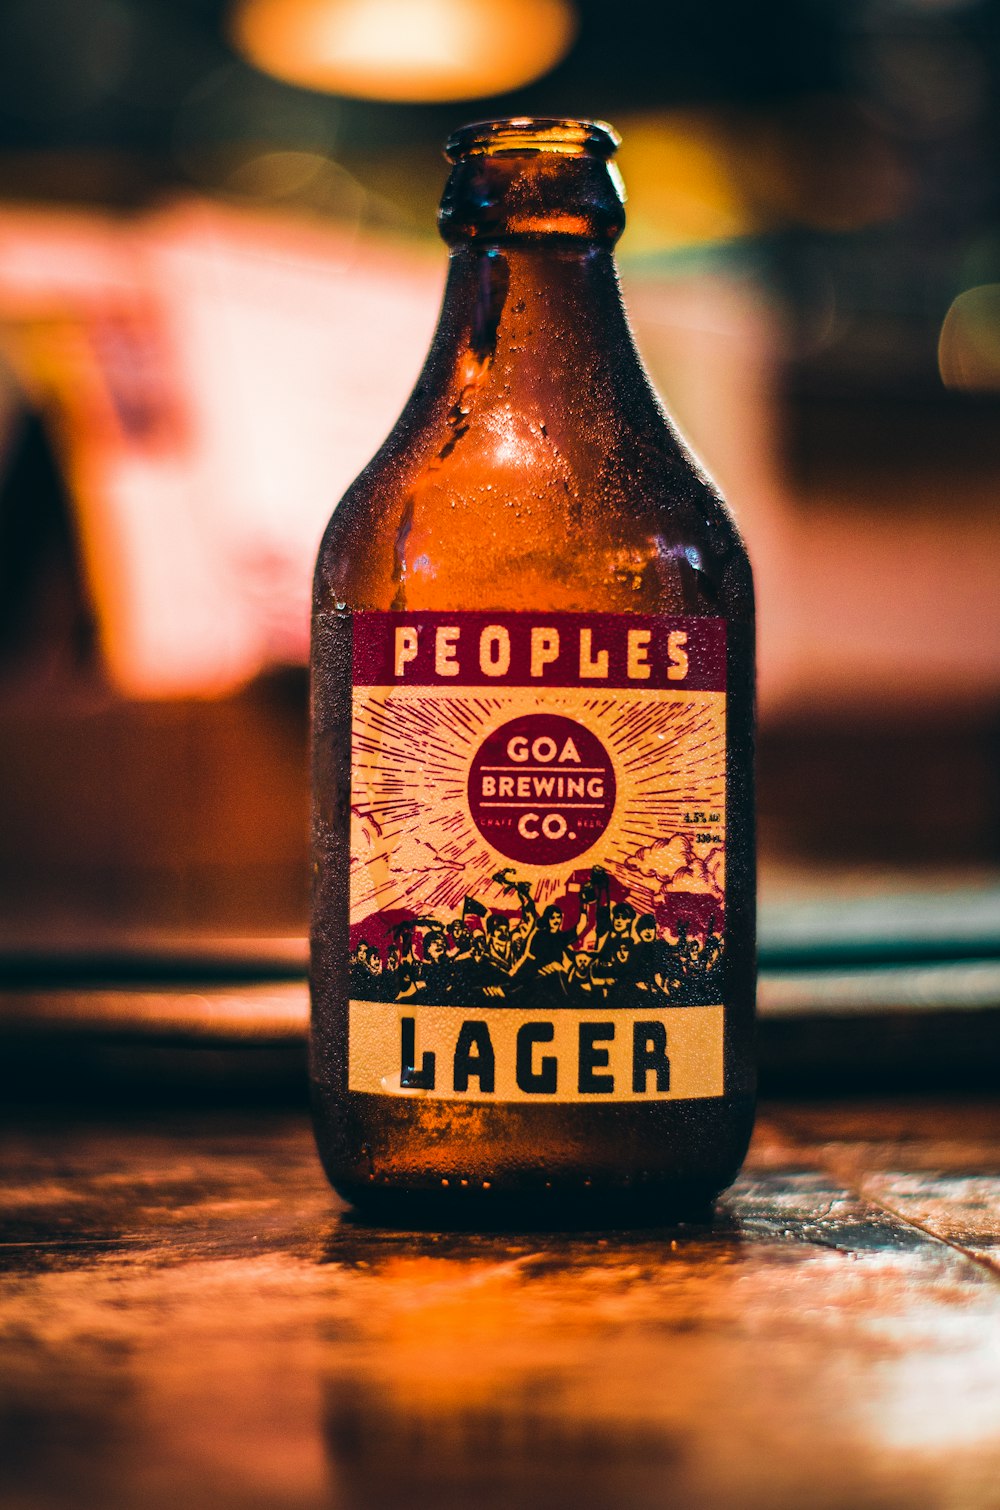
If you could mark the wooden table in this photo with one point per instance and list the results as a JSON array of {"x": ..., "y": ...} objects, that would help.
[{"x": 189, "y": 1318}]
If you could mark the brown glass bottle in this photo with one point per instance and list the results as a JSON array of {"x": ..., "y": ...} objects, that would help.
[{"x": 533, "y": 495}]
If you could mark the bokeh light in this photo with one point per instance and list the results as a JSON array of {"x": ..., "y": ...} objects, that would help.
[
  {"x": 969, "y": 348},
  {"x": 405, "y": 49},
  {"x": 681, "y": 183}
]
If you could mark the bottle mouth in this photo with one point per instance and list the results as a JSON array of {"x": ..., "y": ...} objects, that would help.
[{"x": 520, "y": 136}]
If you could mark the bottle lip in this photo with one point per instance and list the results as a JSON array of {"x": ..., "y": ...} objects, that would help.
[{"x": 530, "y": 134}]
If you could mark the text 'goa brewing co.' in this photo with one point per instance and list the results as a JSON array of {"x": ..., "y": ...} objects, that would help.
[{"x": 533, "y": 925}]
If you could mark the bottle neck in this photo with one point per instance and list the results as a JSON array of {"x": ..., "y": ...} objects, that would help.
[{"x": 534, "y": 323}]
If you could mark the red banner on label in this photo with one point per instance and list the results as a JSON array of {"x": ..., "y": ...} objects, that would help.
[{"x": 596, "y": 650}]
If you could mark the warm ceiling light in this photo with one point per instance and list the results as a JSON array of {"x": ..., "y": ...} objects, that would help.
[{"x": 416, "y": 50}]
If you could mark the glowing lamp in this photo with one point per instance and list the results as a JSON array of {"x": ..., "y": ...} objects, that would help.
[{"x": 404, "y": 50}]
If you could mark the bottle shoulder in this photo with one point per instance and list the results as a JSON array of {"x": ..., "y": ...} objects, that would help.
[{"x": 521, "y": 518}]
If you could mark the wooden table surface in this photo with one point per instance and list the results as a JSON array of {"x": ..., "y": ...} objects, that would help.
[{"x": 189, "y": 1318}]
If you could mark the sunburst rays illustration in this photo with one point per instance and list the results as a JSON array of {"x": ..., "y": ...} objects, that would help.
[{"x": 415, "y": 845}]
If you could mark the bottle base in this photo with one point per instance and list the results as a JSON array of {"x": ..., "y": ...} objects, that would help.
[{"x": 445, "y": 1167}]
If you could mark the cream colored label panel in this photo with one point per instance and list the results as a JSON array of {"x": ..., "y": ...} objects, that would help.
[{"x": 507, "y": 1054}]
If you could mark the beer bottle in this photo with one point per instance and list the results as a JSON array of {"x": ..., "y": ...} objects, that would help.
[{"x": 532, "y": 683}]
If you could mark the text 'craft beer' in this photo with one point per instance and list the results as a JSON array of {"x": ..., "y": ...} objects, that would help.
[{"x": 533, "y": 694}]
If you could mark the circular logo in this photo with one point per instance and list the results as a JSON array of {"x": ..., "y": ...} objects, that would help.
[{"x": 541, "y": 789}]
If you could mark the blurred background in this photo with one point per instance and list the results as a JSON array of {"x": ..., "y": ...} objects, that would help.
[{"x": 219, "y": 274}]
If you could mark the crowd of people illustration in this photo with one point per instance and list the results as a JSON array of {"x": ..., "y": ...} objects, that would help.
[{"x": 608, "y": 953}]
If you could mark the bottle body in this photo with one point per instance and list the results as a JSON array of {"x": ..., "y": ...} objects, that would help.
[{"x": 533, "y": 924}]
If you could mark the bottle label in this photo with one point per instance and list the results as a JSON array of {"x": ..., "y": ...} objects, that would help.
[{"x": 538, "y": 829}]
